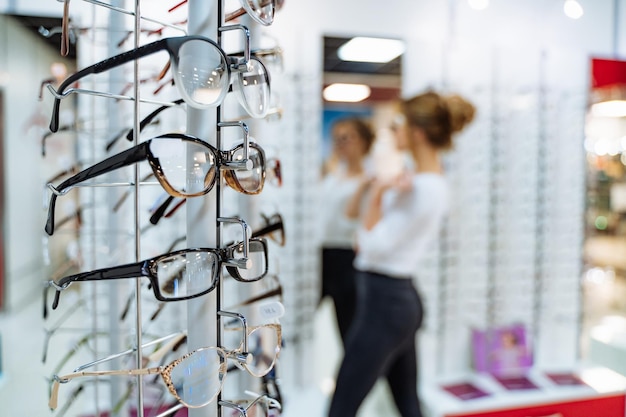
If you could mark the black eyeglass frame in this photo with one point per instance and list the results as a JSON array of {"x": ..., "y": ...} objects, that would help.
[{"x": 147, "y": 268}]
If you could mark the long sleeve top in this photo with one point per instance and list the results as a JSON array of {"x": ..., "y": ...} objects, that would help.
[
  {"x": 410, "y": 221},
  {"x": 336, "y": 229}
]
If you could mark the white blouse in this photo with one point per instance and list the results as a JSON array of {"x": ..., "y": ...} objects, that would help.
[
  {"x": 410, "y": 222},
  {"x": 337, "y": 230}
]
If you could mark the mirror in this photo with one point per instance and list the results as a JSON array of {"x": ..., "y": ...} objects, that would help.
[
  {"x": 605, "y": 217},
  {"x": 360, "y": 87},
  {"x": 358, "y": 83}
]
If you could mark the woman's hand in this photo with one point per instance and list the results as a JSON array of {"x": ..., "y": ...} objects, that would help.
[{"x": 373, "y": 214}]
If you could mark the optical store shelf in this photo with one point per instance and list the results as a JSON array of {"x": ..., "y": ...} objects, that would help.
[{"x": 601, "y": 393}]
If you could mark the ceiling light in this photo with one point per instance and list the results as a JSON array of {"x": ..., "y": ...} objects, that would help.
[
  {"x": 478, "y": 4},
  {"x": 350, "y": 93},
  {"x": 363, "y": 49},
  {"x": 573, "y": 9},
  {"x": 611, "y": 108}
]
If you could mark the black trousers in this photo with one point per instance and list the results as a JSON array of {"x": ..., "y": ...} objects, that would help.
[
  {"x": 380, "y": 343},
  {"x": 338, "y": 284}
]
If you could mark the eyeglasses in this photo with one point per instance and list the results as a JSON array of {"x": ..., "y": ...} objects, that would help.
[
  {"x": 168, "y": 155},
  {"x": 201, "y": 69},
  {"x": 161, "y": 208},
  {"x": 183, "y": 274},
  {"x": 262, "y": 406},
  {"x": 262, "y": 11},
  {"x": 262, "y": 343},
  {"x": 274, "y": 228},
  {"x": 195, "y": 379}
]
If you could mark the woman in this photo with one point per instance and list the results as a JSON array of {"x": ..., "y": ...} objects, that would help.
[
  {"x": 344, "y": 173},
  {"x": 403, "y": 217}
]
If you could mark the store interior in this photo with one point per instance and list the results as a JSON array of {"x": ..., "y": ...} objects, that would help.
[{"x": 535, "y": 239}]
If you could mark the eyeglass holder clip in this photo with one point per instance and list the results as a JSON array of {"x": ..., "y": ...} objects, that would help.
[
  {"x": 55, "y": 191},
  {"x": 244, "y": 262},
  {"x": 245, "y": 355},
  {"x": 237, "y": 63},
  {"x": 244, "y": 164}
]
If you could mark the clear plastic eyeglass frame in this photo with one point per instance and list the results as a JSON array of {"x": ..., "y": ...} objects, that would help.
[{"x": 201, "y": 84}]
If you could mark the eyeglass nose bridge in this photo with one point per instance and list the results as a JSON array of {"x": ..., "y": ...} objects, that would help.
[
  {"x": 244, "y": 164},
  {"x": 244, "y": 262}
]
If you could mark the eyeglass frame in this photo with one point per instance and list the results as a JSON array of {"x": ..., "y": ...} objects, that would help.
[
  {"x": 172, "y": 45},
  {"x": 142, "y": 152},
  {"x": 146, "y": 268},
  {"x": 239, "y": 355}
]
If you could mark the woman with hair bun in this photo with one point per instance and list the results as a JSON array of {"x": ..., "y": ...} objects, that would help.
[{"x": 402, "y": 218}]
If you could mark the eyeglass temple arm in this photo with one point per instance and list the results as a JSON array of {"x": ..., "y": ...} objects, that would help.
[
  {"x": 54, "y": 395},
  {"x": 270, "y": 293},
  {"x": 117, "y": 272},
  {"x": 101, "y": 66},
  {"x": 160, "y": 211},
  {"x": 149, "y": 118},
  {"x": 268, "y": 229},
  {"x": 125, "y": 158}
]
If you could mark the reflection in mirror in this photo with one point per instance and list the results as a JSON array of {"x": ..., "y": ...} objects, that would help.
[
  {"x": 605, "y": 217},
  {"x": 362, "y": 79},
  {"x": 1, "y": 207}
]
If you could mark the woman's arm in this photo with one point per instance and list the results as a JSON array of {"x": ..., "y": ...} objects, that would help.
[
  {"x": 353, "y": 208},
  {"x": 373, "y": 213}
]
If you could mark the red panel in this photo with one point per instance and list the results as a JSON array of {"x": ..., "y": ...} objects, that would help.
[
  {"x": 607, "y": 73},
  {"x": 613, "y": 406}
]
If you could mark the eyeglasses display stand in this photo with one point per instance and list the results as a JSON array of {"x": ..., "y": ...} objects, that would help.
[{"x": 196, "y": 318}]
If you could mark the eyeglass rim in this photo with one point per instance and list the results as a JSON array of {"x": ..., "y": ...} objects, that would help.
[
  {"x": 164, "y": 371},
  {"x": 134, "y": 155},
  {"x": 241, "y": 97},
  {"x": 170, "y": 44},
  {"x": 253, "y": 15},
  {"x": 230, "y": 176},
  {"x": 279, "y": 339},
  {"x": 146, "y": 268},
  {"x": 271, "y": 403},
  {"x": 234, "y": 271}
]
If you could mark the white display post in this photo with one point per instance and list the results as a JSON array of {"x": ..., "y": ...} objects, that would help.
[{"x": 202, "y": 212}]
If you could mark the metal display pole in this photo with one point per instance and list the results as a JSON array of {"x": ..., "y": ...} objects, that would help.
[{"x": 202, "y": 213}]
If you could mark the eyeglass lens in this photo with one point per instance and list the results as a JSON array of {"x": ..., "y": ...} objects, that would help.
[
  {"x": 263, "y": 344},
  {"x": 173, "y": 156},
  {"x": 197, "y": 378},
  {"x": 253, "y": 89},
  {"x": 258, "y": 261},
  {"x": 201, "y": 73},
  {"x": 186, "y": 274},
  {"x": 248, "y": 181},
  {"x": 262, "y": 9}
]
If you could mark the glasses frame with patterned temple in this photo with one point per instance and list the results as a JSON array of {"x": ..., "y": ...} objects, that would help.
[{"x": 241, "y": 357}]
